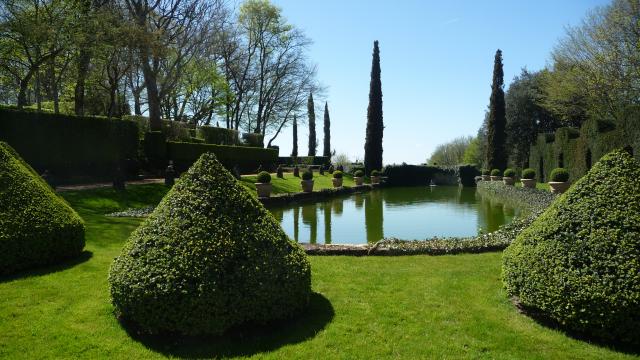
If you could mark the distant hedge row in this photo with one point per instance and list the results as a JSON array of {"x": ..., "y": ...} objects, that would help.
[
  {"x": 410, "y": 175},
  {"x": 578, "y": 149},
  {"x": 304, "y": 160},
  {"x": 69, "y": 146},
  {"x": 247, "y": 158}
]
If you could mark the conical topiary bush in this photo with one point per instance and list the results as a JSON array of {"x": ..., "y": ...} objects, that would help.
[
  {"x": 579, "y": 262},
  {"x": 36, "y": 226},
  {"x": 208, "y": 258}
]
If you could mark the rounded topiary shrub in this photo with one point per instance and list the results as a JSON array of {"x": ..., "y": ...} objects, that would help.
[
  {"x": 296, "y": 171},
  {"x": 358, "y": 173},
  {"x": 337, "y": 174},
  {"x": 495, "y": 172},
  {"x": 528, "y": 174},
  {"x": 509, "y": 173},
  {"x": 36, "y": 226},
  {"x": 578, "y": 263},
  {"x": 485, "y": 172},
  {"x": 559, "y": 175},
  {"x": 208, "y": 258},
  {"x": 264, "y": 177},
  {"x": 307, "y": 175},
  {"x": 375, "y": 173},
  {"x": 280, "y": 172}
]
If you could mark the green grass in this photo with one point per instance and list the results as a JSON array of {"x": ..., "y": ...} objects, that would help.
[
  {"x": 291, "y": 184},
  {"x": 376, "y": 307}
]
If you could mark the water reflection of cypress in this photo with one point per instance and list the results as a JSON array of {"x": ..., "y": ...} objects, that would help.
[
  {"x": 296, "y": 217},
  {"x": 278, "y": 214},
  {"x": 327, "y": 222},
  {"x": 466, "y": 195},
  {"x": 310, "y": 217},
  {"x": 373, "y": 207},
  {"x": 508, "y": 210}
]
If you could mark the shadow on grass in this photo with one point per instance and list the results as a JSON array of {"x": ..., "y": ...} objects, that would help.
[
  {"x": 48, "y": 269},
  {"x": 246, "y": 340},
  {"x": 543, "y": 320}
]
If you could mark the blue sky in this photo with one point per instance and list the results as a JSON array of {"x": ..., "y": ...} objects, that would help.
[{"x": 436, "y": 60}]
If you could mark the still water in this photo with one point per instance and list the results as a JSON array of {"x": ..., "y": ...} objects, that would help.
[{"x": 409, "y": 213}]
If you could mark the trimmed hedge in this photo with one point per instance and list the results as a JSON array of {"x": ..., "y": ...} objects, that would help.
[
  {"x": 36, "y": 226},
  {"x": 559, "y": 175},
  {"x": 304, "y": 160},
  {"x": 218, "y": 135},
  {"x": 577, "y": 264},
  {"x": 467, "y": 175},
  {"x": 69, "y": 146},
  {"x": 173, "y": 130},
  {"x": 253, "y": 140},
  {"x": 208, "y": 258},
  {"x": 408, "y": 175},
  {"x": 248, "y": 159}
]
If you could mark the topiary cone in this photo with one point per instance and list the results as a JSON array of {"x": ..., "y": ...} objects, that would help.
[
  {"x": 208, "y": 258},
  {"x": 36, "y": 226},
  {"x": 579, "y": 262}
]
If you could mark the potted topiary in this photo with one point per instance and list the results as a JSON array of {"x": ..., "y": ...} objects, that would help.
[
  {"x": 508, "y": 177},
  {"x": 559, "y": 181},
  {"x": 331, "y": 170},
  {"x": 495, "y": 175},
  {"x": 337, "y": 179},
  {"x": 280, "y": 172},
  {"x": 485, "y": 175},
  {"x": 528, "y": 178},
  {"x": 375, "y": 177},
  {"x": 307, "y": 181},
  {"x": 321, "y": 172},
  {"x": 358, "y": 177},
  {"x": 296, "y": 171},
  {"x": 263, "y": 186}
]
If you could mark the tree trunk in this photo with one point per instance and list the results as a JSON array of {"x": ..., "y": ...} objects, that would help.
[
  {"x": 84, "y": 60},
  {"x": 153, "y": 98}
]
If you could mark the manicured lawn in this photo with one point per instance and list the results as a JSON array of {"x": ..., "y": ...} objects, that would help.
[
  {"x": 291, "y": 184},
  {"x": 377, "y": 307}
]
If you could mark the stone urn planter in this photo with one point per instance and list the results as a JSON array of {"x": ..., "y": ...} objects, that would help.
[
  {"x": 307, "y": 185},
  {"x": 375, "y": 179},
  {"x": 263, "y": 189},
  {"x": 359, "y": 180},
  {"x": 496, "y": 178},
  {"x": 528, "y": 183},
  {"x": 508, "y": 180},
  {"x": 337, "y": 182},
  {"x": 486, "y": 177},
  {"x": 558, "y": 187}
]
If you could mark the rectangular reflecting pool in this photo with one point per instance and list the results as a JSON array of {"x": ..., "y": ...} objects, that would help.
[{"x": 408, "y": 213}]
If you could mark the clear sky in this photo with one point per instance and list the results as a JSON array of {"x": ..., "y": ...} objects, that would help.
[{"x": 436, "y": 60}]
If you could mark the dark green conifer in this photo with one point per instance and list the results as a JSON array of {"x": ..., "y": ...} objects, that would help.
[
  {"x": 327, "y": 132},
  {"x": 294, "y": 151},
  {"x": 375, "y": 126},
  {"x": 312, "y": 126},
  {"x": 496, "y": 134}
]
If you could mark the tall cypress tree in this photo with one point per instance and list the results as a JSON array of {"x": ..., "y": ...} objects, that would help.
[
  {"x": 496, "y": 134},
  {"x": 294, "y": 151},
  {"x": 313, "y": 146},
  {"x": 327, "y": 132},
  {"x": 375, "y": 126}
]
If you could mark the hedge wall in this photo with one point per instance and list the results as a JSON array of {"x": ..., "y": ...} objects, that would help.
[
  {"x": 248, "y": 159},
  {"x": 69, "y": 146},
  {"x": 253, "y": 140},
  {"x": 577, "y": 149},
  {"x": 218, "y": 135},
  {"x": 399, "y": 175}
]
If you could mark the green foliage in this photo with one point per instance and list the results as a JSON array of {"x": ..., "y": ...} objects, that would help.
[
  {"x": 280, "y": 172},
  {"x": 253, "y": 140},
  {"x": 408, "y": 175},
  {"x": 451, "y": 153},
  {"x": 496, "y": 125},
  {"x": 294, "y": 149},
  {"x": 209, "y": 257},
  {"x": 36, "y": 226},
  {"x": 337, "y": 174},
  {"x": 246, "y": 158},
  {"x": 375, "y": 124},
  {"x": 296, "y": 171},
  {"x": 375, "y": 173},
  {"x": 311, "y": 112},
  {"x": 486, "y": 172},
  {"x": 528, "y": 173},
  {"x": 304, "y": 160},
  {"x": 173, "y": 130},
  {"x": 509, "y": 173},
  {"x": 307, "y": 175},
  {"x": 69, "y": 145},
  {"x": 577, "y": 263},
  {"x": 559, "y": 175},
  {"x": 495, "y": 172},
  {"x": 264, "y": 177},
  {"x": 472, "y": 154},
  {"x": 326, "y": 152},
  {"x": 358, "y": 173},
  {"x": 218, "y": 135},
  {"x": 467, "y": 175}
]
